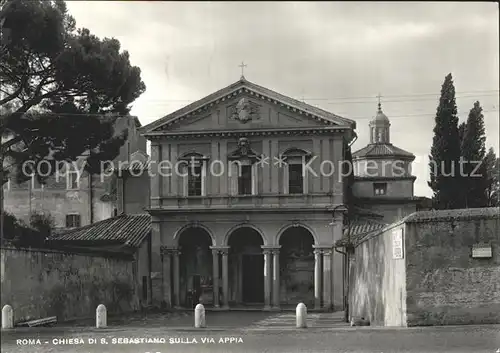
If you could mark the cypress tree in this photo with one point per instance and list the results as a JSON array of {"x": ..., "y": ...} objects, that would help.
[
  {"x": 445, "y": 151},
  {"x": 473, "y": 150},
  {"x": 492, "y": 164}
]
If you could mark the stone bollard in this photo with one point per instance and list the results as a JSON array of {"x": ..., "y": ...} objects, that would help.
[
  {"x": 301, "y": 313},
  {"x": 7, "y": 317},
  {"x": 101, "y": 316},
  {"x": 199, "y": 316}
]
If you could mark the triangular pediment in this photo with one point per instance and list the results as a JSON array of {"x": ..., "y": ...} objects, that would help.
[{"x": 245, "y": 106}]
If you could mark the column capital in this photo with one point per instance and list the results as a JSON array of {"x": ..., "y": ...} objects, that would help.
[
  {"x": 317, "y": 251},
  {"x": 327, "y": 252},
  {"x": 220, "y": 249},
  {"x": 168, "y": 250},
  {"x": 323, "y": 247},
  {"x": 268, "y": 249}
]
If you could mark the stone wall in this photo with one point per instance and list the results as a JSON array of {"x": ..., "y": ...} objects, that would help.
[
  {"x": 445, "y": 285},
  {"x": 437, "y": 282},
  {"x": 40, "y": 283},
  {"x": 377, "y": 281}
]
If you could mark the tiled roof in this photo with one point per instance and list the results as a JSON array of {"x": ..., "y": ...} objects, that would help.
[
  {"x": 243, "y": 83},
  {"x": 138, "y": 160},
  {"x": 359, "y": 229},
  {"x": 458, "y": 214},
  {"x": 125, "y": 229},
  {"x": 381, "y": 150}
]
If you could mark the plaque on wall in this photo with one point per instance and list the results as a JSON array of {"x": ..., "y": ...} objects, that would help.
[
  {"x": 397, "y": 244},
  {"x": 481, "y": 251}
]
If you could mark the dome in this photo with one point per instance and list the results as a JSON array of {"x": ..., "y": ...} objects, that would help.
[{"x": 380, "y": 115}]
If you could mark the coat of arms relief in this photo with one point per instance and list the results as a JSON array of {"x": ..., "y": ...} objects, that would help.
[{"x": 244, "y": 111}]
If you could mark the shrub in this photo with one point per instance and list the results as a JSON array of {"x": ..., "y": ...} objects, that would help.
[{"x": 42, "y": 222}]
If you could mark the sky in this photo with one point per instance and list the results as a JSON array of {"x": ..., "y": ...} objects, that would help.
[{"x": 335, "y": 55}]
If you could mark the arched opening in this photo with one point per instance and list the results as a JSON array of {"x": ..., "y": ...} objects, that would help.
[
  {"x": 195, "y": 264},
  {"x": 246, "y": 267},
  {"x": 297, "y": 266}
]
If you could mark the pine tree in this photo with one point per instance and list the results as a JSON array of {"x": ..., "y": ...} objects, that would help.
[
  {"x": 473, "y": 150},
  {"x": 445, "y": 151}
]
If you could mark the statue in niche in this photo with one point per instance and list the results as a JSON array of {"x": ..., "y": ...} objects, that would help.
[
  {"x": 245, "y": 111},
  {"x": 243, "y": 146}
]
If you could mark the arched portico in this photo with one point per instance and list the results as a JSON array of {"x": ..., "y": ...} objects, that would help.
[
  {"x": 195, "y": 265},
  {"x": 246, "y": 265},
  {"x": 203, "y": 229},
  {"x": 245, "y": 226},
  {"x": 297, "y": 266},
  {"x": 296, "y": 225}
]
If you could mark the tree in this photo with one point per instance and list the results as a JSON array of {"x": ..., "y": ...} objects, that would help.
[
  {"x": 61, "y": 90},
  {"x": 492, "y": 164},
  {"x": 473, "y": 150},
  {"x": 445, "y": 151}
]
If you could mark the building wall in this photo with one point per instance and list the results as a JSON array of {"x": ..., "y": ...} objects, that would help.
[
  {"x": 395, "y": 188},
  {"x": 377, "y": 287},
  {"x": 391, "y": 212},
  {"x": 270, "y": 177},
  {"x": 65, "y": 285},
  {"x": 56, "y": 199},
  {"x": 445, "y": 285},
  {"x": 385, "y": 168},
  {"x": 133, "y": 193},
  {"x": 135, "y": 140}
]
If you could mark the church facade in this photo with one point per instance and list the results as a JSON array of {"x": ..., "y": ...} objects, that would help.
[{"x": 247, "y": 202}]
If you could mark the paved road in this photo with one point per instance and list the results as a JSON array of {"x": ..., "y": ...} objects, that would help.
[{"x": 253, "y": 332}]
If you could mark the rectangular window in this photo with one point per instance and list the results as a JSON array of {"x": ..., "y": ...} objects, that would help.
[
  {"x": 245, "y": 180},
  {"x": 73, "y": 180},
  {"x": 379, "y": 189},
  {"x": 295, "y": 179},
  {"x": 194, "y": 181},
  {"x": 73, "y": 221}
]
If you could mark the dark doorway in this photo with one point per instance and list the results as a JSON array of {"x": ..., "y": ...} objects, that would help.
[
  {"x": 297, "y": 266},
  {"x": 253, "y": 279}
]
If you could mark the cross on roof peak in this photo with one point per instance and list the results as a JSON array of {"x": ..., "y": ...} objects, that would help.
[{"x": 242, "y": 65}]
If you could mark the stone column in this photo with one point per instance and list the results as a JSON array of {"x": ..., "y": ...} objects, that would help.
[
  {"x": 167, "y": 280},
  {"x": 317, "y": 279},
  {"x": 177, "y": 294},
  {"x": 267, "y": 278},
  {"x": 327, "y": 279},
  {"x": 276, "y": 278},
  {"x": 225, "y": 278},
  {"x": 215, "y": 258}
]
